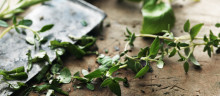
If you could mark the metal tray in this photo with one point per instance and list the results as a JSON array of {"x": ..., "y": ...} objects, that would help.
[{"x": 66, "y": 15}]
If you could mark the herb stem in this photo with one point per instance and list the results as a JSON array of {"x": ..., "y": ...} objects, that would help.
[
  {"x": 6, "y": 31},
  {"x": 186, "y": 37},
  {"x": 26, "y": 27}
]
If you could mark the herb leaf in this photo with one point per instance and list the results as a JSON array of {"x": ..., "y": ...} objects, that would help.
[
  {"x": 90, "y": 86},
  {"x": 115, "y": 88},
  {"x": 193, "y": 60},
  {"x": 186, "y": 67},
  {"x": 95, "y": 74},
  {"x": 46, "y": 28},
  {"x": 70, "y": 48},
  {"x": 143, "y": 71},
  {"x": 134, "y": 65},
  {"x": 29, "y": 60},
  {"x": 195, "y": 30},
  {"x": 217, "y": 25},
  {"x": 187, "y": 26},
  {"x": 106, "y": 82},
  {"x": 3, "y": 23},
  {"x": 155, "y": 46},
  {"x": 65, "y": 75},
  {"x": 25, "y": 22}
]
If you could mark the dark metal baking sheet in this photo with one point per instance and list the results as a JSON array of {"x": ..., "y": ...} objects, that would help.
[{"x": 66, "y": 15}]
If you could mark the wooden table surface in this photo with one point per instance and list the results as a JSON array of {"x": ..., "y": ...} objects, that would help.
[{"x": 171, "y": 80}]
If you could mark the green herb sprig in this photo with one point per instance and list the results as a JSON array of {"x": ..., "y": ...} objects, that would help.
[{"x": 166, "y": 45}]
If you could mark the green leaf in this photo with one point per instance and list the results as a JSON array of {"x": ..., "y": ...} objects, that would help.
[
  {"x": 186, "y": 67},
  {"x": 41, "y": 74},
  {"x": 217, "y": 25},
  {"x": 30, "y": 40},
  {"x": 17, "y": 30},
  {"x": 113, "y": 69},
  {"x": 143, "y": 52},
  {"x": 173, "y": 52},
  {"x": 134, "y": 65},
  {"x": 76, "y": 74},
  {"x": 17, "y": 76},
  {"x": 130, "y": 37},
  {"x": 85, "y": 41},
  {"x": 182, "y": 58},
  {"x": 195, "y": 30},
  {"x": 212, "y": 36},
  {"x": 157, "y": 17},
  {"x": 115, "y": 87},
  {"x": 155, "y": 46},
  {"x": 56, "y": 68},
  {"x": 182, "y": 44},
  {"x": 41, "y": 88},
  {"x": 172, "y": 44},
  {"x": 29, "y": 60},
  {"x": 90, "y": 86},
  {"x": 44, "y": 87},
  {"x": 41, "y": 56},
  {"x": 46, "y": 28},
  {"x": 118, "y": 79},
  {"x": 143, "y": 71},
  {"x": 193, "y": 60},
  {"x": 69, "y": 47},
  {"x": 3, "y": 23},
  {"x": 25, "y": 22},
  {"x": 65, "y": 75},
  {"x": 18, "y": 86},
  {"x": 81, "y": 79},
  {"x": 187, "y": 26},
  {"x": 16, "y": 70},
  {"x": 205, "y": 39},
  {"x": 59, "y": 90},
  {"x": 160, "y": 64},
  {"x": 14, "y": 20},
  {"x": 106, "y": 82},
  {"x": 95, "y": 74}
]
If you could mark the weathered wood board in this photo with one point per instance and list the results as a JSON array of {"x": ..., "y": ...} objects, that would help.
[{"x": 169, "y": 81}]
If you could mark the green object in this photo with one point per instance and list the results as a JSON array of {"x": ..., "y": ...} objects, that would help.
[
  {"x": 195, "y": 30},
  {"x": 186, "y": 67},
  {"x": 65, "y": 75},
  {"x": 217, "y": 25},
  {"x": 142, "y": 71},
  {"x": 95, "y": 74},
  {"x": 187, "y": 26},
  {"x": 157, "y": 17},
  {"x": 154, "y": 47},
  {"x": 90, "y": 86},
  {"x": 46, "y": 27},
  {"x": 115, "y": 87},
  {"x": 25, "y": 22},
  {"x": 3, "y": 23}
]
